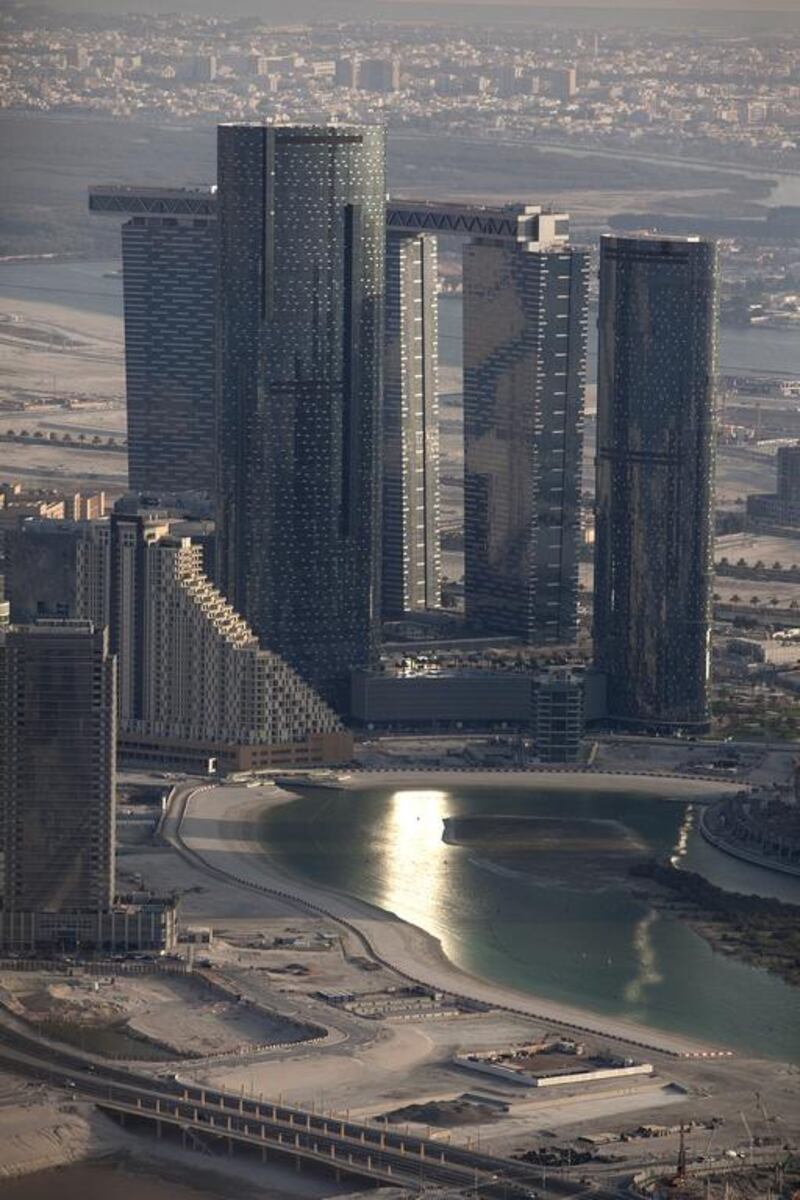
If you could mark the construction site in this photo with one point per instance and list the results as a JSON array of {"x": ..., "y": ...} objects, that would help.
[{"x": 766, "y": 1171}]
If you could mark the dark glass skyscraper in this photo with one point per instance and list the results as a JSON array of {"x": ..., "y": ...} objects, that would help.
[
  {"x": 412, "y": 574},
  {"x": 302, "y": 252},
  {"x": 57, "y": 768},
  {"x": 655, "y": 476},
  {"x": 524, "y": 369},
  {"x": 169, "y": 256}
]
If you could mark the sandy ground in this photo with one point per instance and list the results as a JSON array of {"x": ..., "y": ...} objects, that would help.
[
  {"x": 36, "y": 1136},
  {"x": 667, "y": 788},
  {"x": 736, "y": 476},
  {"x": 51, "y": 355},
  {"x": 220, "y": 825},
  {"x": 766, "y": 591},
  {"x": 757, "y": 547},
  {"x": 178, "y": 1013},
  {"x": 55, "y": 352}
]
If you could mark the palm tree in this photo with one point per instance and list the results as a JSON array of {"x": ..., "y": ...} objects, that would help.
[
  {"x": 755, "y": 600},
  {"x": 735, "y": 598}
]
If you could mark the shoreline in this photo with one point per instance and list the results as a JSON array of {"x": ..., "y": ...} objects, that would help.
[
  {"x": 701, "y": 788},
  {"x": 237, "y": 854}
]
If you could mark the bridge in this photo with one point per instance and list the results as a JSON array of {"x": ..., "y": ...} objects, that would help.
[
  {"x": 515, "y": 222},
  {"x": 121, "y": 200},
  {"x": 207, "y": 1118}
]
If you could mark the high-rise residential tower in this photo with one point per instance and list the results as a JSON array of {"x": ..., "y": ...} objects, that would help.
[
  {"x": 57, "y": 767},
  {"x": 411, "y": 574},
  {"x": 301, "y": 214},
  {"x": 524, "y": 366},
  {"x": 193, "y": 681},
  {"x": 169, "y": 254},
  {"x": 655, "y": 476}
]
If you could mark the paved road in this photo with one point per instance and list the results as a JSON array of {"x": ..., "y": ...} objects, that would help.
[{"x": 369, "y": 1151}]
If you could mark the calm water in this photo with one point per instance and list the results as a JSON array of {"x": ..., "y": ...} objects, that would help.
[
  {"x": 568, "y": 931},
  {"x": 81, "y": 285}
]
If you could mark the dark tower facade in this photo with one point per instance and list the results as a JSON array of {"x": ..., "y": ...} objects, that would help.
[
  {"x": 57, "y": 767},
  {"x": 524, "y": 371},
  {"x": 169, "y": 257},
  {"x": 412, "y": 570},
  {"x": 301, "y": 213},
  {"x": 168, "y": 268},
  {"x": 655, "y": 475}
]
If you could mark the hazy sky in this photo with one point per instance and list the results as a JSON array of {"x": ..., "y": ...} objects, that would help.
[{"x": 285, "y": 10}]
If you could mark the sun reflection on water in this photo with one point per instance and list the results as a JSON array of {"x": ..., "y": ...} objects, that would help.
[
  {"x": 682, "y": 841},
  {"x": 414, "y": 867}
]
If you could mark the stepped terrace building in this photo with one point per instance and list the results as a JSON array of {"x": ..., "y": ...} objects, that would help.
[{"x": 195, "y": 685}]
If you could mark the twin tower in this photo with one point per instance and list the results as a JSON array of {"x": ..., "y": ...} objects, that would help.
[{"x": 281, "y": 354}]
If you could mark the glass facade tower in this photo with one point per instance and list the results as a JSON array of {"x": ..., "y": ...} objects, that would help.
[
  {"x": 57, "y": 767},
  {"x": 412, "y": 563},
  {"x": 524, "y": 369},
  {"x": 301, "y": 213},
  {"x": 655, "y": 473},
  {"x": 169, "y": 284},
  {"x": 168, "y": 280}
]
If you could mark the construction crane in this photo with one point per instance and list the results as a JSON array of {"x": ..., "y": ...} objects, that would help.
[
  {"x": 681, "y": 1174},
  {"x": 749, "y": 1135}
]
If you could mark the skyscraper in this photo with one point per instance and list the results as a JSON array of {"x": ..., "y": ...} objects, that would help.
[
  {"x": 57, "y": 767},
  {"x": 169, "y": 287},
  {"x": 655, "y": 474},
  {"x": 411, "y": 575},
  {"x": 302, "y": 252},
  {"x": 524, "y": 368}
]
